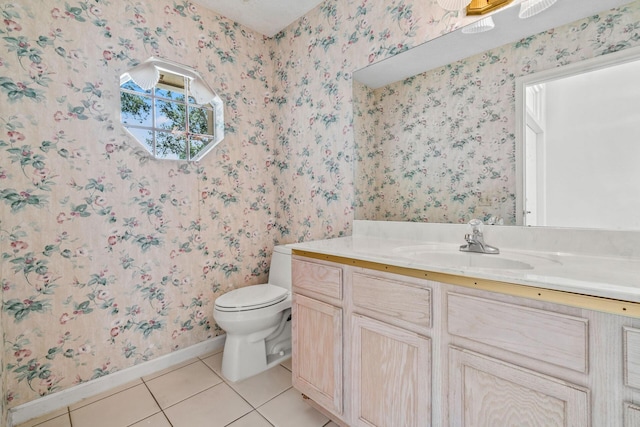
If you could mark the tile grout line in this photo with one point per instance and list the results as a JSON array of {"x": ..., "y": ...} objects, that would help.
[
  {"x": 157, "y": 403},
  {"x": 223, "y": 381},
  {"x": 254, "y": 409},
  {"x": 188, "y": 397}
]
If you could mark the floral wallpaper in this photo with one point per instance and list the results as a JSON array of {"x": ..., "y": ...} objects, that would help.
[
  {"x": 109, "y": 258},
  {"x": 440, "y": 146},
  {"x": 313, "y": 60}
]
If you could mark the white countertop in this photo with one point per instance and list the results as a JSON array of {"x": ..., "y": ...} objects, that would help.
[{"x": 616, "y": 277}]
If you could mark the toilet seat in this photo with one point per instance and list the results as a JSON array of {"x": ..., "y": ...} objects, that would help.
[{"x": 251, "y": 298}]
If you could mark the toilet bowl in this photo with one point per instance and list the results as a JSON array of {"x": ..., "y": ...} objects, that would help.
[{"x": 257, "y": 321}]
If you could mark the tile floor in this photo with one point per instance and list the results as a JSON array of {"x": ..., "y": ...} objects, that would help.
[{"x": 193, "y": 394}]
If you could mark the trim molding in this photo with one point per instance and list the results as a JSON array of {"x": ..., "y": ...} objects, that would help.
[
  {"x": 69, "y": 396},
  {"x": 589, "y": 302}
]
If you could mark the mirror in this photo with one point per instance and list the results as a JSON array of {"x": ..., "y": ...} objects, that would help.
[
  {"x": 440, "y": 146},
  {"x": 578, "y": 138}
]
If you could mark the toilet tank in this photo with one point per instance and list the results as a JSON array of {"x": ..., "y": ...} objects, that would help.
[{"x": 280, "y": 269}]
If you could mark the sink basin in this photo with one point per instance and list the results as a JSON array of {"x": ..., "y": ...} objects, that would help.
[
  {"x": 450, "y": 256},
  {"x": 474, "y": 260}
]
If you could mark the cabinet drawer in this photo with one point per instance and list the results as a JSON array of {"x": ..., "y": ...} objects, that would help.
[
  {"x": 542, "y": 335},
  {"x": 631, "y": 357},
  {"x": 316, "y": 279},
  {"x": 392, "y": 299}
]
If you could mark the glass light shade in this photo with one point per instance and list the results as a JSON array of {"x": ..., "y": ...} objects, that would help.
[
  {"x": 145, "y": 75},
  {"x": 528, "y": 8},
  {"x": 453, "y": 4},
  {"x": 200, "y": 92},
  {"x": 480, "y": 26}
]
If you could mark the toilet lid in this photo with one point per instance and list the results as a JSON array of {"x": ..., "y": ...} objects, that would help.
[{"x": 251, "y": 297}]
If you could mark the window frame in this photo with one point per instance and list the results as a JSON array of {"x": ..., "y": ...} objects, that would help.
[{"x": 147, "y": 77}]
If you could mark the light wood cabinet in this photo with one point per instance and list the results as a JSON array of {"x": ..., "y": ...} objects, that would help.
[
  {"x": 379, "y": 346},
  {"x": 631, "y": 415},
  {"x": 391, "y": 370},
  {"x": 487, "y": 392},
  {"x": 317, "y": 351},
  {"x": 538, "y": 334}
]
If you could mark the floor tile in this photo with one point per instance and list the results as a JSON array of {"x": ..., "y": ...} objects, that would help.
[
  {"x": 182, "y": 383},
  {"x": 46, "y": 417},
  {"x": 215, "y": 407},
  {"x": 157, "y": 420},
  {"x": 252, "y": 419},
  {"x": 119, "y": 410},
  {"x": 59, "y": 421},
  {"x": 211, "y": 353},
  {"x": 169, "y": 369},
  {"x": 215, "y": 363},
  {"x": 331, "y": 424},
  {"x": 287, "y": 364},
  {"x": 111, "y": 392},
  {"x": 290, "y": 410},
  {"x": 263, "y": 387}
]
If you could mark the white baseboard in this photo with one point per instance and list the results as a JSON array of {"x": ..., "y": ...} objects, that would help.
[{"x": 55, "y": 401}]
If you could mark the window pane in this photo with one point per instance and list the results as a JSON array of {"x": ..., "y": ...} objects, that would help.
[
  {"x": 171, "y": 145},
  {"x": 158, "y": 118},
  {"x": 201, "y": 120},
  {"x": 135, "y": 109},
  {"x": 144, "y": 136},
  {"x": 131, "y": 85},
  {"x": 170, "y": 116},
  {"x": 198, "y": 143},
  {"x": 170, "y": 92}
]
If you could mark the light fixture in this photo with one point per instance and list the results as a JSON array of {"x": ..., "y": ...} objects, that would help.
[
  {"x": 481, "y": 7},
  {"x": 201, "y": 92},
  {"x": 528, "y": 8},
  {"x": 453, "y": 4},
  {"x": 145, "y": 75},
  {"x": 480, "y": 26},
  {"x": 148, "y": 74}
]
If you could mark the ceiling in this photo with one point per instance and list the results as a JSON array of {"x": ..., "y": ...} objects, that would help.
[{"x": 267, "y": 17}]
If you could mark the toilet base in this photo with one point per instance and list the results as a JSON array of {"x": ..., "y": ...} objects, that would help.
[{"x": 244, "y": 357}]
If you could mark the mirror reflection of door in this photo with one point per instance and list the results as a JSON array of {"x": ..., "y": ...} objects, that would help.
[
  {"x": 534, "y": 150},
  {"x": 582, "y": 149}
]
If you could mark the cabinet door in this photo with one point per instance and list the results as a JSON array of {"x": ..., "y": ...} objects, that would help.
[
  {"x": 317, "y": 351},
  {"x": 486, "y": 392},
  {"x": 631, "y": 415},
  {"x": 391, "y": 370}
]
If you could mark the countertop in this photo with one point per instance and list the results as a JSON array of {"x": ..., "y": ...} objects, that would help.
[{"x": 613, "y": 277}]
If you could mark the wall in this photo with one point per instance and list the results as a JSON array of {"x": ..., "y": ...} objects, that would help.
[
  {"x": 314, "y": 59},
  {"x": 445, "y": 139},
  {"x": 109, "y": 258}
]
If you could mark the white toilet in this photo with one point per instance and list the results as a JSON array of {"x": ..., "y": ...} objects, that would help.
[{"x": 257, "y": 320}]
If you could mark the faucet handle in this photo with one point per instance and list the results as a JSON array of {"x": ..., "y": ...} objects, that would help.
[{"x": 476, "y": 225}]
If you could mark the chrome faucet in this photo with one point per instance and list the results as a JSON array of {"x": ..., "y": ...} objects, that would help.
[{"x": 475, "y": 240}]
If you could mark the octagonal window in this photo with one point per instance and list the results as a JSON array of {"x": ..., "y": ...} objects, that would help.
[{"x": 170, "y": 110}]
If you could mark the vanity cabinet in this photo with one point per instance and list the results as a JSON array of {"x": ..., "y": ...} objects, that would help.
[
  {"x": 317, "y": 333},
  {"x": 391, "y": 375},
  {"x": 485, "y": 391},
  {"x": 390, "y": 351},
  {"x": 493, "y": 388},
  {"x": 317, "y": 346},
  {"x": 400, "y": 347}
]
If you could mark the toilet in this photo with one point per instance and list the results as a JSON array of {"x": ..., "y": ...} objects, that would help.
[{"x": 257, "y": 321}]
